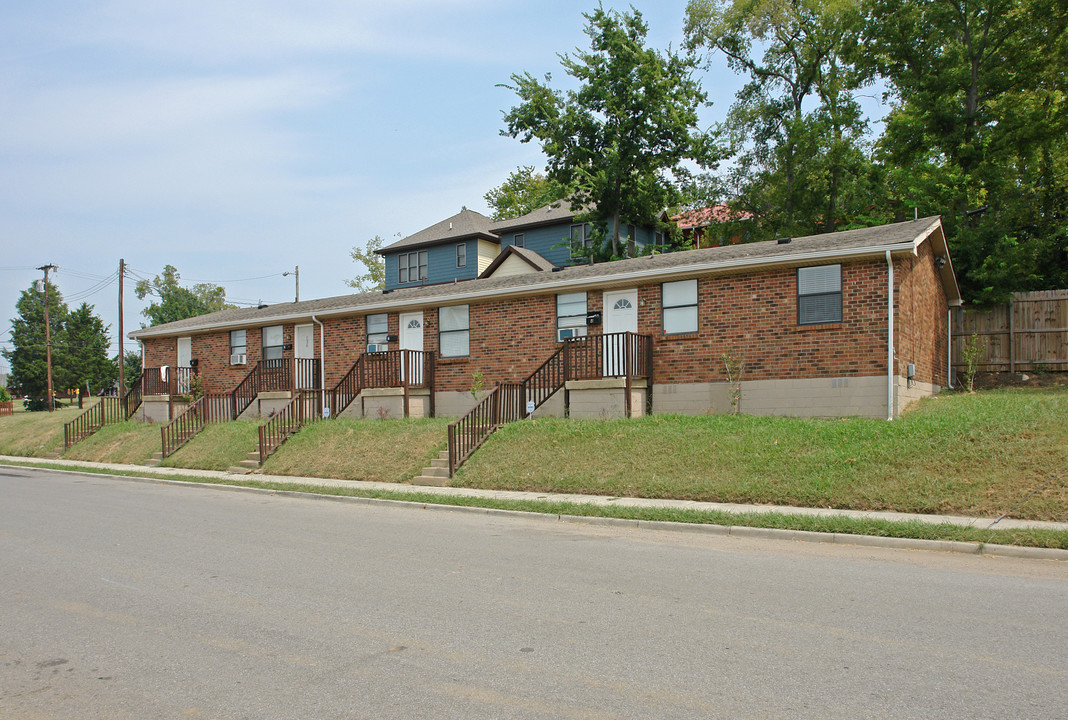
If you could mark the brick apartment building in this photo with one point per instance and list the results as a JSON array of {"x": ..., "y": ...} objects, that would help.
[{"x": 846, "y": 323}]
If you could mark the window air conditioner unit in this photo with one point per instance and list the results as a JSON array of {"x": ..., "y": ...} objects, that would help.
[
  {"x": 380, "y": 347},
  {"x": 238, "y": 359},
  {"x": 571, "y": 332}
]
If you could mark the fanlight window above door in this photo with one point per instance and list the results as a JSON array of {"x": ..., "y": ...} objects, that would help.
[
  {"x": 622, "y": 304},
  {"x": 414, "y": 323}
]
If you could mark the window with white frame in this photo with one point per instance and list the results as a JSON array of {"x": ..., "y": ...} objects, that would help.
[
  {"x": 238, "y": 347},
  {"x": 680, "y": 306},
  {"x": 272, "y": 342},
  {"x": 570, "y": 315},
  {"x": 453, "y": 331},
  {"x": 578, "y": 237},
  {"x": 519, "y": 240},
  {"x": 819, "y": 294},
  {"x": 461, "y": 255},
  {"x": 412, "y": 266},
  {"x": 377, "y": 331}
]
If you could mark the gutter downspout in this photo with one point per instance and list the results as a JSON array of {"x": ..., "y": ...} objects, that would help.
[
  {"x": 890, "y": 338},
  {"x": 949, "y": 348},
  {"x": 322, "y": 365}
]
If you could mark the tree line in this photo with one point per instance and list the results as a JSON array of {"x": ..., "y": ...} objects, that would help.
[{"x": 977, "y": 129}]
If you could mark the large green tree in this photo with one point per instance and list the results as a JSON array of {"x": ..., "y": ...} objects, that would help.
[
  {"x": 796, "y": 128},
  {"x": 176, "y": 302},
  {"x": 524, "y": 191},
  {"x": 29, "y": 369},
  {"x": 621, "y": 141},
  {"x": 979, "y": 131},
  {"x": 87, "y": 359}
]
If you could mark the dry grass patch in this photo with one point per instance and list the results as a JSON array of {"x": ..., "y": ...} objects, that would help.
[
  {"x": 34, "y": 434},
  {"x": 128, "y": 442},
  {"x": 379, "y": 450}
]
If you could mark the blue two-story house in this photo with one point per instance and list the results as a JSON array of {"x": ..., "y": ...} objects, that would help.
[{"x": 470, "y": 245}]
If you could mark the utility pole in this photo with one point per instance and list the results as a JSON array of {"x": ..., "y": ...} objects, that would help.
[
  {"x": 296, "y": 272},
  {"x": 48, "y": 339},
  {"x": 122, "y": 355}
]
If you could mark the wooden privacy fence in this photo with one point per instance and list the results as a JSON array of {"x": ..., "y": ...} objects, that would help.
[
  {"x": 1028, "y": 333},
  {"x": 6, "y": 407}
]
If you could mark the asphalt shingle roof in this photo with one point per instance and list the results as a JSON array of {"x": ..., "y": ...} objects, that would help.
[
  {"x": 825, "y": 247},
  {"x": 464, "y": 224}
]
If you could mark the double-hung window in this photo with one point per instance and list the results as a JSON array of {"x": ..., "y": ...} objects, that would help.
[
  {"x": 819, "y": 294},
  {"x": 412, "y": 266},
  {"x": 680, "y": 307},
  {"x": 578, "y": 237},
  {"x": 461, "y": 255},
  {"x": 570, "y": 315},
  {"x": 377, "y": 332},
  {"x": 272, "y": 342},
  {"x": 454, "y": 335},
  {"x": 238, "y": 347}
]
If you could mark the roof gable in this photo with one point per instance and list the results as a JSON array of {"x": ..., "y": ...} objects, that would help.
[
  {"x": 534, "y": 261},
  {"x": 461, "y": 226}
]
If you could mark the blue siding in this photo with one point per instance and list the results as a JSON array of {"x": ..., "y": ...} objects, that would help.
[
  {"x": 441, "y": 265},
  {"x": 542, "y": 239}
]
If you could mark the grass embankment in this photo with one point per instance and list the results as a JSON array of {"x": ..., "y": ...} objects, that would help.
[
  {"x": 953, "y": 454},
  {"x": 34, "y": 434},
  {"x": 127, "y": 442},
  {"x": 379, "y": 450},
  {"x": 218, "y": 446}
]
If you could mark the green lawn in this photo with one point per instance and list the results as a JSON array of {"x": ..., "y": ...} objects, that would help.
[
  {"x": 218, "y": 446},
  {"x": 381, "y": 450},
  {"x": 127, "y": 442},
  {"x": 968, "y": 454}
]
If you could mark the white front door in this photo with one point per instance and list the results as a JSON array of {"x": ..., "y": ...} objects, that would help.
[
  {"x": 304, "y": 349},
  {"x": 411, "y": 338},
  {"x": 184, "y": 360},
  {"x": 620, "y": 314}
]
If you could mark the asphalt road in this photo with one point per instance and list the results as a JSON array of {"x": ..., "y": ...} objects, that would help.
[{"x": 122, "y": 599}]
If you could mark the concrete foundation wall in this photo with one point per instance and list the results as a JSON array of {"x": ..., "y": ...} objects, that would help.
[
  {"x": 603, "y": 399},
  {"x": 813, "y": 397},
  {"x": 453, "y": 403},
  {"x": 155, "y": 409}
]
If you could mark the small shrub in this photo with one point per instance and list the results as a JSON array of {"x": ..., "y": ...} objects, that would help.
[
  {"x": 973, "y": 351},
  {"x": 734, "y": 365}
]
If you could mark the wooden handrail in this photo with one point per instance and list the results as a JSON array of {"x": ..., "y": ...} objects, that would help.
[
  {"x": 207, "y": 409},
  {"x": 106, "y": 412},
  {"x": 298, "y": 412},
  {"x": 627, "y": 355}
]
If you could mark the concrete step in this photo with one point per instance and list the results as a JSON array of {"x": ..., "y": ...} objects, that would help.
[
  {"x": 436, "y": 471},
  {"x": 235, "y": 470},
  {"x": 250, "y": 464},
  {"x": 153, "y": 462},
  {"x": 254, "y": 455},
  {"x": 440, "y": 463},
  {"x": 50, "y": 456},
  {"x": 429, "y": 480}
]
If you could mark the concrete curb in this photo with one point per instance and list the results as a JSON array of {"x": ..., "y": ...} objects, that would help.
[{"x": 741, "y": 531}]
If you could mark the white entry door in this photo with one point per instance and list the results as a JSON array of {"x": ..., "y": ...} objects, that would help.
[
  {"x": 411, "y": 338},
  {"x": 184, "y": 360},
  {"x": 620, "y": 314},
  {"x": 304, "y": 349}
]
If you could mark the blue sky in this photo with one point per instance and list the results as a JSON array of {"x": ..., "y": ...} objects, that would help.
[{"x": 237, "y": 139}]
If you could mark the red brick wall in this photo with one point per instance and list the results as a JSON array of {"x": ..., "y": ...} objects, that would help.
[
  {"x": 754, "y": 315},
  {"x": 920, "y": 317}
]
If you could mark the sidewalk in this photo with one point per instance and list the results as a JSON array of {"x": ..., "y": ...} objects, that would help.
[{"x": 737, "y": 509}]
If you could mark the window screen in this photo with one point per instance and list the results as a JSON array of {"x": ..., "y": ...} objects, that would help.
[
  {"x": 819, "y": 294},
  {"x": 680, "y": 306},
  {"x": 570, "y": 315},
  {"x": 453, "y": 331}
]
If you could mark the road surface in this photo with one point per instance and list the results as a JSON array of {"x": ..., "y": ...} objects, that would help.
[{"x": 122, "y": 599}]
